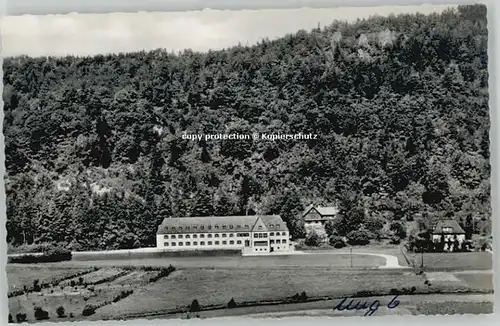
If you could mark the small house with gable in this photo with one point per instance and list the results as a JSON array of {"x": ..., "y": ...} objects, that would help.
[
  {"x": 449, "y": 230},
  {"x": 315, "y": 218},
  {"x": 319, "y": 215}
]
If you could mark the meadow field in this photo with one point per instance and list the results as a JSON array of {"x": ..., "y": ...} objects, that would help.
[
  {"x": 252, "y": 282},
  {"x": 454, "y": 260},
  {"x": 215, "y": 288},
  {"x": 409, "y": 305}
]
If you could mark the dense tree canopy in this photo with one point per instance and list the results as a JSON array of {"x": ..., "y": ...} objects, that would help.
[{"x": 95, "y": 157}]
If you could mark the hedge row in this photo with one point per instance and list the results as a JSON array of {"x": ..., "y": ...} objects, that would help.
[
  {"x": 164, "y": 272},
  {"x": 90, "y": 309},
  {"x": 52, "y": 255},
  {"x": 37, "y": 287}
]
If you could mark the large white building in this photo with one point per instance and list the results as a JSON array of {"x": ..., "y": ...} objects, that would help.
[{"x": 251, "y": 234}]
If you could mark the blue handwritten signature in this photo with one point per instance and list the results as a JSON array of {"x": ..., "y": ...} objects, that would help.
[{"x": 370, "y": 307}]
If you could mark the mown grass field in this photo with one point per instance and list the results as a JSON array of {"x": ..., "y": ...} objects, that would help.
[
  {"x": 477, "y": 280},
  {"x": 339, "y": 260},
  {"x": 451, "y": 308},
  {"x": 454, "y": 261}
]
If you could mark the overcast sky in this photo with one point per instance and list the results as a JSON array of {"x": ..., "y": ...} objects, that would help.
[{"x": 88, "y": 34}]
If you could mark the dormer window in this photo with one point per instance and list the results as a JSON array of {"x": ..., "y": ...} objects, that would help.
[
  {"x": 217, "y": 227},
  {"x": 246, "y": 226},
  {"x": 447, "y": 230},
  {"x": 224, "y": 227},
  {"x": 231, "y": 226}
]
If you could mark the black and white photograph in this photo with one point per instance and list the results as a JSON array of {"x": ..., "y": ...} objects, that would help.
[{"x": 309, "y": 162}]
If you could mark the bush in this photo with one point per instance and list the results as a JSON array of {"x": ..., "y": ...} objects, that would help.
[
  {"x": 231, "y": 304},
  {"x": 20, "y": 317},
  {"x": 11, "y": 320},
  {"x": 359, "y": 237},
  {"x": 375, "y": 225},
  {"x": 195, "y": 306},
  {"x": 88, "y": 310},
  {"x": 300, "y": 297},
  {"x": 123, "y": 295},
  {"x": 330, "y": 228},
  {"x": 41, "y": 314},
  {"x": 337, "y": 241},
  {"x": 395, "y": 240},
  {"x": 164, "y": 272},
  {"x": 61, "y": 313},
  {"x": 482, "y": 244},
  {"x": 36, "y": 285},
  {"x": 71, "y": 315},
  {"x": 312, "y": 240},
  {"x": 398, "y": 229},
  {"x": 28, "y": 248},
  {"x": 74, "y": 246},
  {"x": 49, "y": 255}
]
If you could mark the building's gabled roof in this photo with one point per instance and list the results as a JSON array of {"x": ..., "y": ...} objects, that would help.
[
  {"x": 323, "y": 211},
  {"x": 308, "y": 208},
  {"x": 215, "y": 224},
  {"x": 328, "y": 211},
  {"x": 456, "y": 228}
]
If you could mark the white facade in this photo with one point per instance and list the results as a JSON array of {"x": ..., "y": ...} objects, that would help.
[
  {"x": 260, "y": 236},
  {"x": 449, "y": 237},
  {"x": 448, "y": 230},
  {"x": 277, "y": 241}
]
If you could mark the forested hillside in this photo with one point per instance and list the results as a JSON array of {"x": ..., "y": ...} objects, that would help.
[{"x": 95, "y": 158}]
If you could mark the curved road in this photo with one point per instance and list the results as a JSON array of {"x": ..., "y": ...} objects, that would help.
[{"x": 390, "y": 260}]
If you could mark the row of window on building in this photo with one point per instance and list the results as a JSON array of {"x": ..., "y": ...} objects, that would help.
[
  {"x": 202, "y": 243},
  {"x": 217, "y": 227},
  {"x": 264, "y": 235},
  {"x": 231, "y": 242},
  {"x": 223, "y": 235}
]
